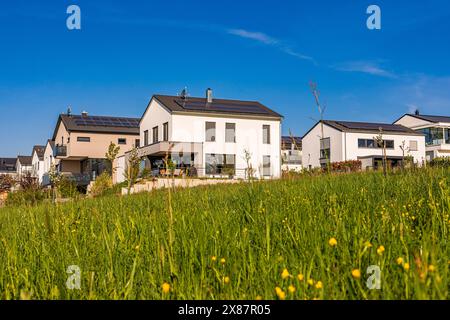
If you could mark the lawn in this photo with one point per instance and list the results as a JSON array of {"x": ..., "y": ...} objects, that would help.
[{"x": 305, "y": 238}]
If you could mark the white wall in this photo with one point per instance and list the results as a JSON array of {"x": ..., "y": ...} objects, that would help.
[
  {"x": 155, "y": 115},
  {"x": 37, "y": 167},
  {"x": 311, "y": 145},
  {"x": 48, "y": 158},
  {"x": 353, "y": 151},
  {"x": 249, "y": 136}
]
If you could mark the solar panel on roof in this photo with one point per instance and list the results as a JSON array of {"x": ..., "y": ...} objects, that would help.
[
  {"x": 106, "y": 122},
  {"x": 221, "y": 107},
  {"x": 371, "y": 126}
]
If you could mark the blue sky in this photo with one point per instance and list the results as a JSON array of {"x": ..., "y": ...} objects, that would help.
[{"x": 260, "y": 50}]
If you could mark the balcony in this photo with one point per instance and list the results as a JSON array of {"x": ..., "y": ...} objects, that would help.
[
  {"x": 80, "y": 179},
  {"x": 60, "y": 151}
]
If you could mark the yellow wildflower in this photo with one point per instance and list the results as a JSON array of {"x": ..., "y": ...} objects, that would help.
[
  {"x": 380, "y": 250},
  {"x": 258, "y": 298},
  {"x": 332, "y": 242},
  {"x": 406, "y": 266},
  {"x": 431, "y": 268},
  {"x": 291, "y": 289},
  {"x": 280, "y": 293},
  {"x": 310, "y": 282},
  {"x": 300, "y": 277},
  {"x": 399, "y": 260},
  {"x": 226, "y": 280},
  {"x": 165, "y": 287},
  {"x": 319, "y": 285},
  {"x": 285, "y": 274},
  {"x": 367, "y": 244},
  {"x": 222, "y": 261},
  {"x": 356, "y": 273},
  {"x": 213, "y": 258}
]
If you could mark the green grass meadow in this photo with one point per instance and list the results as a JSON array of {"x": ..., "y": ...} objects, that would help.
[{"x": 238, "y": 241}]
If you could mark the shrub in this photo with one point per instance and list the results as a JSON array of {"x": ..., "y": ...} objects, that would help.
[
  {"x": 443, "y": 162},
  {"x": 101, "y": 185},
  {"x": 67, "y": 188},
  {"x": 6, "y": 183},
  {"x": 346, "y": 166}
]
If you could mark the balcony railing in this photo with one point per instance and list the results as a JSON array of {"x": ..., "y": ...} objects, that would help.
[
  {"x": 60, "y": 151},
  {"x": 78, "y": 178}
]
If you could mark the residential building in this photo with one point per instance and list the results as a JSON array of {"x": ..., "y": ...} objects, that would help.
[
  {"x": 24, "y": 166},
  {"x": 436, "y": 130},
  {"x": 211, "y": 137},
  {"x": 291, "y": 153},
  {"x": 81, "y": 143},
  {"x": 8, "y": 166},
  {"x": 336, "y": 141},
  {"x": 37, "y": 163},
  {"x": 49, "y": 161}
]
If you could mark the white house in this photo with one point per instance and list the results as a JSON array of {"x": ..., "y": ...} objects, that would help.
[
  {"x": 49, "y": 160},
  {"x": 436, "y": 130},
  {"x": 211, "y": 137},
  {"x": 8, "y": 166},
  {"x": 23, "y": 166},
  {"x": 344, "y": 140},
  {"x": 291, "y": 153},
  {"x": 37, "y": 163}
]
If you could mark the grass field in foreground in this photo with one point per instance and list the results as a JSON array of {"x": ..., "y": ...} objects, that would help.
[{"x": 238, "y": 241}]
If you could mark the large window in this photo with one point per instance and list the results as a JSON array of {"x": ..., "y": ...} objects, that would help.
[
  {"x": 146, "y": 138},
  {"x": 122, "y": 141},
  {"x": 210, "y": 131},
  {"x": 413, "y": 145},
  {"x": 266, "y": 166},
  {"x": 372, "y": 144},
  {"x": 155, "y": 135},
  {"x": 266, "y": 134},
  {"x": 220, "y": 164},
  {"x": 166, "y": 131},
  {"x": 447, "y": 136},
  {"x": 433, "y": 136},
  {"x": 230, "y": 132},
  {"x": 325, "y": 147}
]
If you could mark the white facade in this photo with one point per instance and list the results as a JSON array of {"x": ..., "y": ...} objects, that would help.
[
  {"x": 23, "y": 169},
  {"x": 49, "y": 160},
  {"x": 37, "y": 166},
  {"x": 345, "y": 146},
  {"x": 191, "y": 129},
  {"x": 437, "y": 133}
]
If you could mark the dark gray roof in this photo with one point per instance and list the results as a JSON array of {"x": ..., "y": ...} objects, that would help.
[
  {"x": 7, "y": 165},
  {"x": 369, "y": 127},
  {"x": 349, "y": 126},
  {"x": 39, "y": 151},
  {"x": 25, "y": 160},
  {"x": 98, "y": 124},
  {"x": 51, "y": 142},
  {"x": 287, "y": 141},
  {"x": 218, "y": 106},
  {"x": 429, "y": 118}
]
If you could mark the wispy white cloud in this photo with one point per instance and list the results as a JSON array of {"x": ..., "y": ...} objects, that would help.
[
  {"x": 368, "y": 67},
  {"x": 258, "y": 36},
  {"x": 271, "y": 41}
]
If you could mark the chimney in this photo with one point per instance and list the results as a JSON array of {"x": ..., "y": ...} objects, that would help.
[
  {"x": 417, "y": 112},
  {"x": 84, "y": 114},
  {"x": 209, "y": 95}
]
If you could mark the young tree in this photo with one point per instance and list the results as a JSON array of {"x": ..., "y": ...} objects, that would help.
[
  {"x": 132, "y": 169},
  {"x": 249, "y": 171},
  {"x": 381, "y": 143},
  {"x": 111, "y": 155}
]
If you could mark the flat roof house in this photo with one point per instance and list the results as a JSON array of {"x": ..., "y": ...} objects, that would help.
[
  {"x": 80, "y": 143},
  {"x": 291, "y": 153},
  {"x": 345, "y": 140},
  {"x": 8, "y": 166},
  {"x": 211, "y": 137},
  {"x": 37, "y": 163},
  {"x": 436, "y": 130}
]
